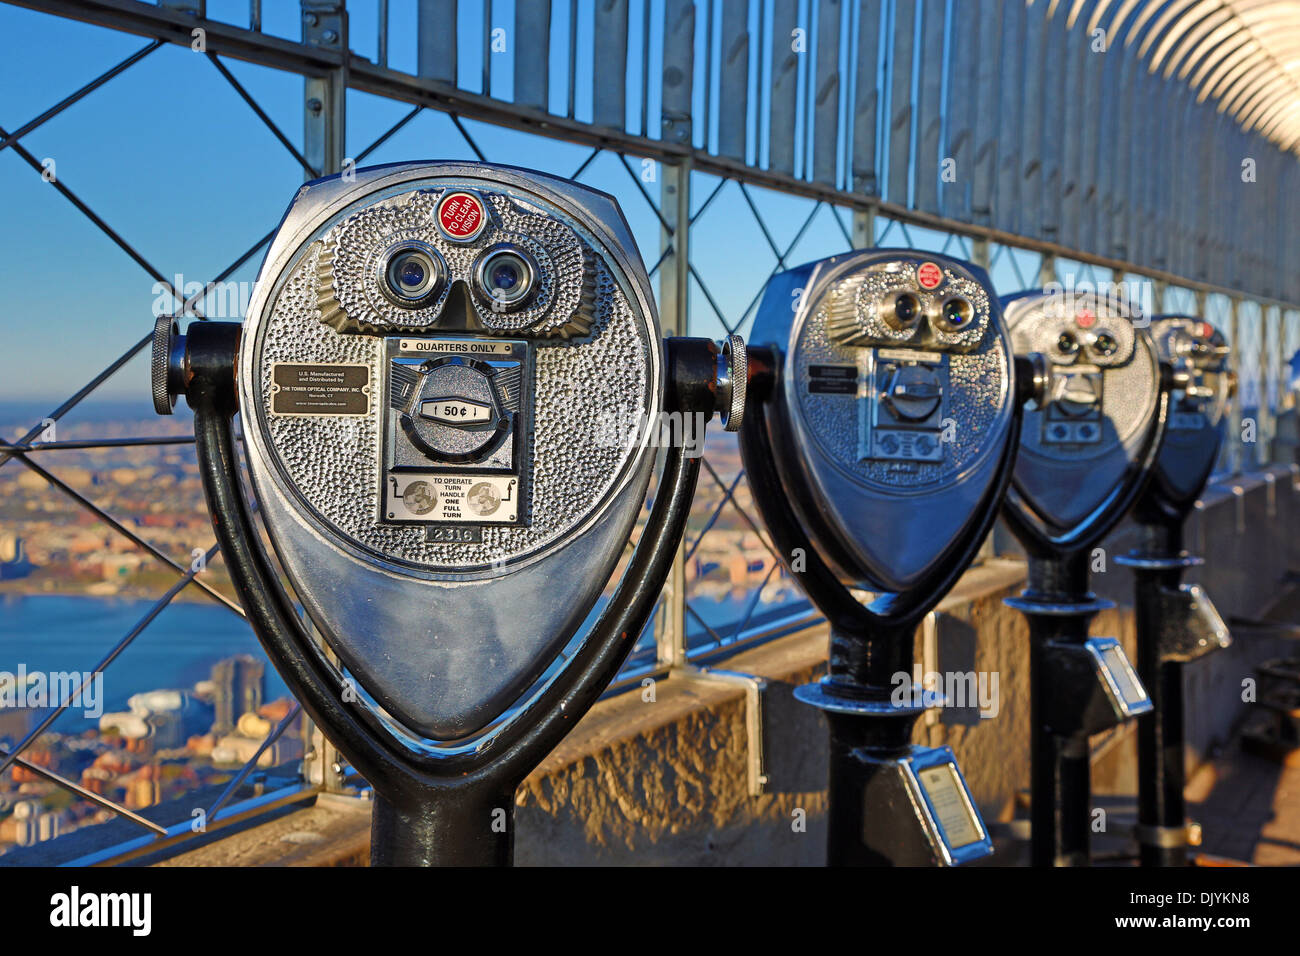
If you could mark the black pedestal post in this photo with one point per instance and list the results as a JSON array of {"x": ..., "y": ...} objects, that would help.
[
  {"x": 470, "y": 827},
  {"x": 868, "y": 732},
  {"x": 1058, "y": 607},
  {"x": 1158, "y": 568}
]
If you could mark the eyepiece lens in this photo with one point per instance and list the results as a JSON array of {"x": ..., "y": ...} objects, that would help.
[
  {"x": 1067, "y": 344},
  {"x": 957, "y": 313},
  {"x": 413, "y": 276},
  {"x": 412, "y": 272},
  {"x": 507, "y": 277},
  {"x": 1106, "y": 343},
  {"x": 907, "y": 308}
]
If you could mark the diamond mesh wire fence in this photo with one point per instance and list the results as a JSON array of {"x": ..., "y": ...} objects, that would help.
[{"x": 107, "y": 567}]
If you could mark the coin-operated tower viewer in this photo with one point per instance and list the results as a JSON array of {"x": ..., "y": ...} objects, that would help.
[
  {"x": 430, "y": 362},
  {"x": 1086, "y": 453},
  {"x": 1176, "y": 623},
  {"x": 880, "y": 435}
]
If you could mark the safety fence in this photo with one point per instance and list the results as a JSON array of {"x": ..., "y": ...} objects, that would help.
[{"x": 740, "y": 138}]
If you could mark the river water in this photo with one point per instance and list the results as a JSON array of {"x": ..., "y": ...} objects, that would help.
[{"x": 177, "y": 649}]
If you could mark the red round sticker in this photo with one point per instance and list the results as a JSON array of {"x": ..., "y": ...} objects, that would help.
[
  {"x": 929, "y": 275},
  {"x": 461, "y": 215},
  {"x": 1086, "y": 319}
]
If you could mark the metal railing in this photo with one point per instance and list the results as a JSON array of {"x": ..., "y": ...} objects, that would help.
[{"x": 815, "y": 119}]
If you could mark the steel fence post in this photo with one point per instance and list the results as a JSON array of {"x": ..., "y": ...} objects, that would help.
[
  {"x": 1234, "y": 361},
  {"x": 674, "y": 293},
  {"x": 325, "y": 25}
]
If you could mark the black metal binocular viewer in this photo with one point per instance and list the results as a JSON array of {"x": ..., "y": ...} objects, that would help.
[
  {"x": 1087, "y": 452},
  {"x": 426, "y": 379},
  {"x": 895, "y": 410},
  {"x": 882, "y": 430},
  {"x": 1176, "y": 623}
]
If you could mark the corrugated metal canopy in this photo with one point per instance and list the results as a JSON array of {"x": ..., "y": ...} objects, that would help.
[{"x": 1244, "y": 55}]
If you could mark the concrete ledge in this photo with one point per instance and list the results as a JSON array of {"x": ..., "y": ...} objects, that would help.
[{"x": 334, "y": 831}]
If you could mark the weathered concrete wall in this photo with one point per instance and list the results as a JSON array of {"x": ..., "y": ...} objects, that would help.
[
  {"x": 1244, "y": 530},
  {"x": 977, "y": 632},
  {"x": 675, "y": 790}
]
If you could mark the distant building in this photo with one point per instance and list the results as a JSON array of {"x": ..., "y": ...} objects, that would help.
[
  {"x": 240, "y": 746},
  {"x": 237, "y": 688},
  {"x": 165, "y": 717},
  {"x": 13, "y": 558},
  {"x": 30, "y": 824}
]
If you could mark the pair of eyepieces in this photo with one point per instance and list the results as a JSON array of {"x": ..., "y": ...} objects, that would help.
[
  {"x": 415, "y": 274},
  {"x": 906, "y": 309},
  {"x": 1103, "y": 344}
]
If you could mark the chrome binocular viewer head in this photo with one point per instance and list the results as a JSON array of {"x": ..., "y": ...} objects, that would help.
[
  {"x": 425, "y": 376},
  {"x": 878, "y": 443},
  {"x": 891, "y": 410},
  {"x": 1099, "y": 402},
  {"x": 453, "y": 388},
  {"x": 1202, "y": 387}
]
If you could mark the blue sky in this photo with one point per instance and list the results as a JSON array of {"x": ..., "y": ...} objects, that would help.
[{"x": 173, "y": 159}]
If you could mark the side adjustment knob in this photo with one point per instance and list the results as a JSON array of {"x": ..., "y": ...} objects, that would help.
[
  {"x": 1033, "y": 378},
  {"x": 733, "y": 382},
  {"x": 166, "y": 363}
]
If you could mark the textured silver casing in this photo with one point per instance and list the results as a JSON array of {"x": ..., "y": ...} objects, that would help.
[
  {"x": 881, "y": 523},
  {"x": 1064, "y": 482},
  {"x": 445, "y": 635},
  {"x": 1196, "y": 421}
]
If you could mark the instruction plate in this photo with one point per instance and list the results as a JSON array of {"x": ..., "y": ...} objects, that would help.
[
  {"x": 319, "y": 389},
  {"x": 455, "y": 498}
]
